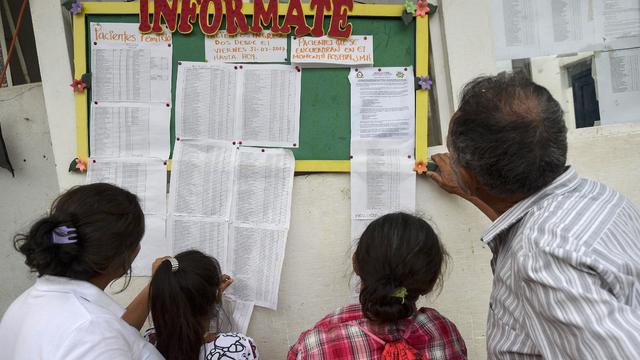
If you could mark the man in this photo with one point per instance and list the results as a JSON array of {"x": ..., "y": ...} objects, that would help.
[{"x": 566, "y": 250}]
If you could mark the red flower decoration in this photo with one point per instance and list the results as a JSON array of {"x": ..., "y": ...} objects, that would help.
[
  {"x": 78, "y": 85},
  {"x": 422, "y": 8},
  {"x": 81, "y": 165},
  {"x": 420, "y": 167}
]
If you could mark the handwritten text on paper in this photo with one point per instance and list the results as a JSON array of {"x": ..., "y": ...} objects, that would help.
[
  {"x": 356, "y": 50},
  {"x": 263, "y": 47}
]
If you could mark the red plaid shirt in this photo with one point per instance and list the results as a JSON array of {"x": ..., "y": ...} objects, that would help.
[{"x": 347, "y": 334}]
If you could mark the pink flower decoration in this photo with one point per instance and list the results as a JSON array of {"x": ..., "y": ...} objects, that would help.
[
  {"x": 422, "y": 8},
  {"x": 81, "y": 165},
  {"x": 420, "y": 167},
  {"x": 78, "y": 85}
]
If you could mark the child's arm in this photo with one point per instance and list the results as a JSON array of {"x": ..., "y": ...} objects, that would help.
[{"x": 138, "y": 310}]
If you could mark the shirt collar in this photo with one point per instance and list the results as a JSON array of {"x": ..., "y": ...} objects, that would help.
[
  {"x": 563, "y": 183},
  {"x": 82, "y": 289}
]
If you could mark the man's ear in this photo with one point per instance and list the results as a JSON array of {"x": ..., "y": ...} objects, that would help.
[{"x": 467, "y": 181}]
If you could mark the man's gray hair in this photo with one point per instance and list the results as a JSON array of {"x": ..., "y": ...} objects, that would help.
[{"x": 510, "y": 133}]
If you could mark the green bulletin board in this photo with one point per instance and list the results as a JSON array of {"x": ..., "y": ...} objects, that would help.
[{"x": 325, "y": 96}]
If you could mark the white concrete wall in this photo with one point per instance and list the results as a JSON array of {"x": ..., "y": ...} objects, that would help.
[
  {"x": 26, "y": 133},
  {"x": 317, "y": 263},
  {"x": 56, "y": 73},
  {"x": 317, "y": 266}
]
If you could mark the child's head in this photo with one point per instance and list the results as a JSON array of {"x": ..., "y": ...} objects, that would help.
[
  {"x": 396, "y": 252},
  {"x": 91, "y": 230},
  {"x": 183, "y": 302}
]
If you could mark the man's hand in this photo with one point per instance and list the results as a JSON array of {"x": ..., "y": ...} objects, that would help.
[
  {"x": 226, "y": 282},
  {"x": 445, "y": 177}
]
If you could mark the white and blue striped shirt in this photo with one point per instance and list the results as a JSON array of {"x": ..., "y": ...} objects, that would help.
[{"x": 566, "y": 275}]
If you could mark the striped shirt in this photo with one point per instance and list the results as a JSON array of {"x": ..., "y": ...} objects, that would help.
[{"x": 566, "y": 264}]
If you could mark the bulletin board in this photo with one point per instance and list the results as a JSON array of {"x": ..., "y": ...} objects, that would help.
[{"x": 325, "y": 97}]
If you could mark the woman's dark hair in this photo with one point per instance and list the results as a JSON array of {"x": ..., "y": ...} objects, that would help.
[
  {"x": 109, "y": 226},
  {"x": 397, "y": 251},
  {"x": 510, "y": 133},
  {"x": 183, "y": 302}
]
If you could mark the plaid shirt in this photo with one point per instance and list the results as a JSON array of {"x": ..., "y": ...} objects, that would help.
[{"x": 347, "y": 334}]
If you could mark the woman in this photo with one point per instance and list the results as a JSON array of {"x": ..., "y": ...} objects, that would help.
[
  {"x": 399, "y": 258},
  {"x": 90, "y": 238}
]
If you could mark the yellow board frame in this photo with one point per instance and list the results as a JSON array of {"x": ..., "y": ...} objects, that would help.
[{"x": 372, "y": 10}]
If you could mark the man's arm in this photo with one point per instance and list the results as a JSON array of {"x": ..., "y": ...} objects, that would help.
[
  {"x": 569, "y": 312},
  {"x": 446, "y": 179}
]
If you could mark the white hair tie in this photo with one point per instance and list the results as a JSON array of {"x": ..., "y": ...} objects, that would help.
[{"x": 174, "y": 264}]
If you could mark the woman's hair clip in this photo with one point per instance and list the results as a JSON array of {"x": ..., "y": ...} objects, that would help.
[
  {"x": 174, "y": 264},
  {"x": 64, "y": 235},
  {"x": 400, "y": 293}
]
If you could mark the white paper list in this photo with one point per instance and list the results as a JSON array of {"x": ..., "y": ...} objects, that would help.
[
  {"x": 382, "y": 179},
  {"x": 532, "y": 28},
  {"x": 145, "y": 177},
  {"x": 199, "y": 233},
  {"x": 256, "y": 256},
  {"x": 382, "y": 147},
  {"x": 570, "y": 27},
  {"x": 618, "y": 23},
  {"x": 382, "y": 103},
  {"x": 271, "y": 105},
  {"x": 515, "y": 24},
  {"x": 234, "y": 204},
  {"x": 129, "y": 130},
  {"x": 207, "y": 101},
  {"x": 263, "y": 187},
  {"x": 154, "y": 244},
  {"x": 129, "y": 66},
  {"x": 202, "y": 178},
  {"x": 255, "y": 105},
  {"x": 618, "y": 79},
  {"x": 235, "y": 316}
]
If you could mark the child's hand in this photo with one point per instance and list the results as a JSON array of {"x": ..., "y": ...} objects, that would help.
[
  {"x": 226, "y": 281},
  {"x": 156, "y": 264}
]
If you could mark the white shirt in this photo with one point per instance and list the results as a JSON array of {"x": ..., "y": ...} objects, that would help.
[{"x": 60, "y": 318}]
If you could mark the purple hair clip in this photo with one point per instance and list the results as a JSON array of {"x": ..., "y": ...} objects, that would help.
[{"x": 64, "y": 235}]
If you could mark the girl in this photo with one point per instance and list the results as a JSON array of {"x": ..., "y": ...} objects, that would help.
[
  {"x": 186, "y": 294},
  {"x": 90, "y": 238},
  {"x": 399, "y": 258}
]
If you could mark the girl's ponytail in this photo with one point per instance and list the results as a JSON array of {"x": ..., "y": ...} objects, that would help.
[
  {"x": 90, "y": 230},
  {"x": 379, "y": 303},
  {"x": 184, "y": 299},
  {"x": 42, "y": 253}
]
